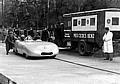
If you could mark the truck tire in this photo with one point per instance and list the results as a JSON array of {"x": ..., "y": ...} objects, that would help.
[{"x": 82, "y": 48}]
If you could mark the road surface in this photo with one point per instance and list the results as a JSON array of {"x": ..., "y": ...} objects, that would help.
[{"x": 67, "y": 68}]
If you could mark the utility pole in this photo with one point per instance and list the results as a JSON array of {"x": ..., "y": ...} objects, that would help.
[
  {"x": 48, "y": 13},
  {"x": 36, "y": 6},
  {"x": 2, "y": 13}
]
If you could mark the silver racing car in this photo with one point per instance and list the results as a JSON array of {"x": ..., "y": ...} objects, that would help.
[{"x": 30, "y": 48}]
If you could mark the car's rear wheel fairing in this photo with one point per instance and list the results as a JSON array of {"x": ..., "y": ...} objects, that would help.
[
  {"x": 26, "y": 56},
  {"x": 26, "y": 50},
  {"x": 16, "y": 51}
]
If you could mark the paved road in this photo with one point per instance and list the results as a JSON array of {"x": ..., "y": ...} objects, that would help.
[{"x": 55, "y": 71}]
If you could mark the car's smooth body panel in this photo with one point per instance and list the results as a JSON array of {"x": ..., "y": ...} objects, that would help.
[{"x": 36, "y": 48}]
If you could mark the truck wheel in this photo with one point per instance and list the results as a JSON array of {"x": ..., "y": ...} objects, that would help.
[{"x": 82, "y": 48}]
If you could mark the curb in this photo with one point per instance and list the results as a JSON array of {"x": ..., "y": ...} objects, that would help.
[{"x": 6, "y": 80}]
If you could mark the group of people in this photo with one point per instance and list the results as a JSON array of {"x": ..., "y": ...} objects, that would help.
[
  {"x": 12, "y": 36},
  {"x": 53, "y": 34},
  {"x": 107, "y": 40}
]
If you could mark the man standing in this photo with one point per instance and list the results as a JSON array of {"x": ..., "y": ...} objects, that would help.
[
  {"x": 4, "y": 33},
  {"x": 108, "y": 45},
  {"x": 45, "y": 35},
  {"x": 31, "y": 33},
  {"x": 9, "y": 41}
]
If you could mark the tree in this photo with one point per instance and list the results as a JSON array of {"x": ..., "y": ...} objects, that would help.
[
  {"x": 94, "y": 4},
  {"x": 38, "y": 13},
  {"x": 8, "y": 13}
]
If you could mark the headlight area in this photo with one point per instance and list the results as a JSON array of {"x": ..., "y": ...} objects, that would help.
[
  {"x": 46, "y": 50},
  {"x": 55, "y": 51},
  {"x": 50, "y": 48}
]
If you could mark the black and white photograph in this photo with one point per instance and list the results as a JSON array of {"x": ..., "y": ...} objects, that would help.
[{"x": 59, "y": 41}]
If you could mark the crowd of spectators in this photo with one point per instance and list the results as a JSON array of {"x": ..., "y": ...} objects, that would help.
[{"x": 53, "y": 34}]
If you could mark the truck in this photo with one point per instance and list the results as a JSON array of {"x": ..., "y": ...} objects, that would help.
[{"x": 85, "y": 30}]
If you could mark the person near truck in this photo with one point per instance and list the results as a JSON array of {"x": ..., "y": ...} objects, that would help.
[
  {"x": 45, "y": 34},
  {"x": 108, "y": 45}
]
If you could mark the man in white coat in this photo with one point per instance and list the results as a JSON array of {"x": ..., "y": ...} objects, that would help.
[{"x": 108, "y": 44}]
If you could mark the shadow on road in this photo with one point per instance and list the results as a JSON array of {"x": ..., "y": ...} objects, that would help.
[
  {"x": 32, "y": 57},
  {"x": 97, "y": 54}
]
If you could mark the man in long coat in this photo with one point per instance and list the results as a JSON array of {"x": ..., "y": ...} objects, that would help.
[
  {"x": 45, "y": 35},
  {"x": 108, "y": 45}
]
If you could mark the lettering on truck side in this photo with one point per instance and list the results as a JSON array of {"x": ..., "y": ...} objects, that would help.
[
  {"x": 79, "y": 35},
  {"x": 67, "y": 35}
]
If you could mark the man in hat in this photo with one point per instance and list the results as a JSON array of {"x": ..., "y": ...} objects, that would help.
[
  {"x": 9, "y": 41},
  {"x": 108, "y": 45}
]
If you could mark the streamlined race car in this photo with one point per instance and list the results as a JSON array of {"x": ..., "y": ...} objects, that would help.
[{"x": 31, "y": 48}]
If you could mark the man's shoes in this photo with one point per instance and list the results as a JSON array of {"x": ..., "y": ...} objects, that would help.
[
  {"x": 7, "y": 53},
  {"x": 111, "y": 59},
  {"x": 106, "y": 59}
]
